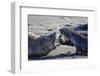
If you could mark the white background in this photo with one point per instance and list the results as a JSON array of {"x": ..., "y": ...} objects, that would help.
[
  {"x": 5, "y": 35},
  {"x": 55, "y": 65}
]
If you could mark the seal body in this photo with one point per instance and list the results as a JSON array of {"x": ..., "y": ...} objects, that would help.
[{"x": 41, "y": 46}]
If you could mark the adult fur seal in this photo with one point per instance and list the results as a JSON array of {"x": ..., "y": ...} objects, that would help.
[
  {"x": 79, "y": 41},
  {"x": 40, "y": 46}
]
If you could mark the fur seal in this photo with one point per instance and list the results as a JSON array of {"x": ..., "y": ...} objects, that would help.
[{"x": 40, "y": 46}]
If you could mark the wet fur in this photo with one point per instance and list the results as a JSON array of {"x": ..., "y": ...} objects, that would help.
[
  {"x": 79, "y": 41},
  {"x": 41, "y": 46}
]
